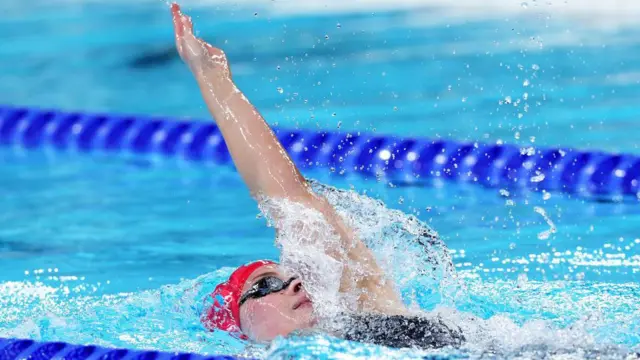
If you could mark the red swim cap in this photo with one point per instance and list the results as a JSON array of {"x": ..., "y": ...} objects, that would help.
[{"x": 224, "y": 314}]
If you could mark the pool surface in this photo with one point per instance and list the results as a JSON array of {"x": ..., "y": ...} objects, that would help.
[
  {"x": 120, "y": 249},
  {"x": 504, "y": 72}
]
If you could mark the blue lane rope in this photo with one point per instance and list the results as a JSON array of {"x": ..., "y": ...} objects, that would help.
[
  {"x": 22, "y": 349},
  {"x": 405, "y": 160}
]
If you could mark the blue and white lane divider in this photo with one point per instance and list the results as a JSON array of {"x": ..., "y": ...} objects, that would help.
[
  {"x": 22, "y": 349},
  {"x": 406, "y": 160}
]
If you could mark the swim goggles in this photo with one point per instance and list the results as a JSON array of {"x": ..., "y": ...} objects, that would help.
[{"x": 265, "y": 286}]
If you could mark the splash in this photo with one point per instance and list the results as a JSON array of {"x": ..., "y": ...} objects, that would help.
[
  {"x": 582, "y": 326},
  {"x": 306, "y": 241},
  {"x": 164, "y": 319},
  {"x": 561, "y": 319},
  {"x": 410, "y": 253},
  {"x": 504, "y": 319}
]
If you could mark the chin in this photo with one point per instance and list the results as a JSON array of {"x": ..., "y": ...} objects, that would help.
[{"x": 308, "y": 320}]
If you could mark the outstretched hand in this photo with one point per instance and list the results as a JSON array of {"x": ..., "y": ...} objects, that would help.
[{"x": 205, "y": 61}]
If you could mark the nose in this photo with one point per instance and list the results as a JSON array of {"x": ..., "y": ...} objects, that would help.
[{"x": 294, "y": 287}]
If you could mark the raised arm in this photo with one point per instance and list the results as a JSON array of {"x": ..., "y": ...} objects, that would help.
[
  {"x": 264, "y": 164},
  {"x": 257, "y": 154}
]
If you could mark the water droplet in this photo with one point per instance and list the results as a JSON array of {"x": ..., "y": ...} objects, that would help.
[
  {"x": 535, "y": 67},
  {"x": 326, "y": 37},
  {"x": 522, "y": 280},
  {"x": 339, "y": 124},
  {"x": 395, "y": 108},
  {"x": 507, "y": 100},
  {"x": 532, "y": 139},
  {"x": 334, "y": 114},
  {"x": 546, "y": 195},
  {"x": 280, "y": 90},
  {"x": 538, "y": 177},
  {"x": 401, "y": 200},
  {"x": 525, "y": 83},
  {"x": 504, "y": 192},
  {"x": 524, "y": 5},
  {"x": 517, "y": 134},
  {"x": 338, "y": 25},
  {"x": 528, "y": 151},
  {"x": 255, "y": 14},
  {"x": 544, "y": 235}
]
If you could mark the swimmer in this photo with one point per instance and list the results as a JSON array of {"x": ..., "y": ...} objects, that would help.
[{"x": 260, "y": 301}]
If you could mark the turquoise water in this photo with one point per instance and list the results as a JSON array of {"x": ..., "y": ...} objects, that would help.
[
  {"x": 120, "y": 250},
  {"x": 125, "y": 260},
  {"x": 424, "y": 71}
]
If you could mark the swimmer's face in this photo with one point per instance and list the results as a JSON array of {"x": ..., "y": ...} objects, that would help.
[{"x": 278, "y": 313}]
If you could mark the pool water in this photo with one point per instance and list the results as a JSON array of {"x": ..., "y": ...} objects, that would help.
[
  {"x": 120, "y": 250},
  {"x": 492, "y": 73},
  {"x": 94, "y": 256}
]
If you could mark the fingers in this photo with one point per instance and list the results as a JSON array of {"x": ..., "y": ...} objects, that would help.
[
  {"x": 188, "y": 23},
  {"x": 189, "y": 46},
  {"x": 178, "y": 25},
  {"x": 182, "y": 24},
  {"x": 182, "y": 27},
  {"x": 175, "y": 8}
]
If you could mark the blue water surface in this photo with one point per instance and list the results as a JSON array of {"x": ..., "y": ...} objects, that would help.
[
  {"x": 493, "y": 77},
  {"x": 120, "y": 250}
]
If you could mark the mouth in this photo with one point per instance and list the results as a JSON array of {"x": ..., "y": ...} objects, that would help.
[{"x": 302, "y": 303}]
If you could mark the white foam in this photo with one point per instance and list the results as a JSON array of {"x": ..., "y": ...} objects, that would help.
[{"x": 407, "y": 249}]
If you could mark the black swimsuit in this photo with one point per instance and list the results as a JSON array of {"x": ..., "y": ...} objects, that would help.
[{"x": 401, "y": 331}]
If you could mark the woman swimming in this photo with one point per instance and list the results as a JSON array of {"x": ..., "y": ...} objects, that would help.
[{"x": 260, "y": 301}]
